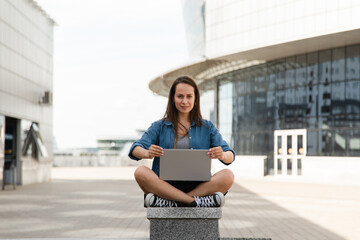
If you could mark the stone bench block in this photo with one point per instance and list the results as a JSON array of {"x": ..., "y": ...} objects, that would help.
[{"x": 184, "y": 223}]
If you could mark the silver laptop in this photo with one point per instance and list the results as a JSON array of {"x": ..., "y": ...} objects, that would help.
[{"x": 185, "y": 165}]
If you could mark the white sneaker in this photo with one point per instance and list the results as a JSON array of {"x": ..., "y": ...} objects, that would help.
[
  {"x": 215, "y": 200},
  {"x": 152, "y": 200}
]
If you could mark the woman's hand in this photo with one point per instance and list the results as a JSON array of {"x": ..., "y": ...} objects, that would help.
[
  {"x": 216, "y": 153},
  {"x": 155, "y": 151}
]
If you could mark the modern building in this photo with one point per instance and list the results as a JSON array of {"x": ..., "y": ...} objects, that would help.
[
  {"x": 26, "y": 87},
  {"x": 281, "y": 79}
]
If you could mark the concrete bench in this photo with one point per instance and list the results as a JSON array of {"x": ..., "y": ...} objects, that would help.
[
  {"x": 187, "y": 223},
  {"x": 184, "y": 223}
]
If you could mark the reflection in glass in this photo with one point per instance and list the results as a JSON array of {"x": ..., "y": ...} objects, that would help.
[
  {"x": 289, "y": 145},
  {"x": 289, "y": 166},
  {"x": 313, "y": 91},
  {"x": 279, "y": 144},
  {"x": 207, "y": 100},
  {"x": 353, "y": 62},
  {"x": 325, "y": 67},
  {"x": 301, "y": 70},
  {"x": 338, "y": 65},
  {"x": 352, "y": 97},
  {"x": 279, "y": 167},
  {"x": 33, "y": 144},
  {"x": 280, "y": 74},
  {"x": 338, "y": 98},
  {"x": 300, "y": 148},
  {"x": 290, "y": 73},
  {"x": 299, "y": 166}
]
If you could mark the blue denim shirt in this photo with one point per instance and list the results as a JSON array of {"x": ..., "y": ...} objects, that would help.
[{"x": 161, "y": 133}]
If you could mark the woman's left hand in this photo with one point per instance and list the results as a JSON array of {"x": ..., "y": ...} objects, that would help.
[{"x": 216, "y": 153}]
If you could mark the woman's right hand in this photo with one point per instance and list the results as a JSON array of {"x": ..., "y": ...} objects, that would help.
[{"x": 155, "y": 151}]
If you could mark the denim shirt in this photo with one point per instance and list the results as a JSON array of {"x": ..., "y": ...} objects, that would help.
[{"x": 161, "y": 133}]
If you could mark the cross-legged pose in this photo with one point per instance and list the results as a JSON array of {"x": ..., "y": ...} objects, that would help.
[{"x": 182, "y": 128}]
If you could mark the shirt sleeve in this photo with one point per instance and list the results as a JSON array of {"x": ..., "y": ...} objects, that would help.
[
  {"x": 218, "y": 141},
  {"x": 151, "y": 136}
]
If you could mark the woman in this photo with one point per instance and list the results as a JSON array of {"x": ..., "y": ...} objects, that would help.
[{"x": 182, "y": 127}]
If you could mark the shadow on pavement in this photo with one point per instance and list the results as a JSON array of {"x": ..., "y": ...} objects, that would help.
[
  {"x": 246, "y": 214},
  {"x": 114, "y": 209}
]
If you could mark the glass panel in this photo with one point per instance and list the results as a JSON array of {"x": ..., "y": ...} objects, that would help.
[
  {"x": 271, "y": 105},
  {"x": 340, "y": 142},
  {"x": 248, "y": 75},
  {"x": 353, "y": 136},
  {"x": 289, "y": 166},
  {"x": 301, "y": 70},
  {"x": 290, "y": 73},
  {"x": 271, "y": 75},
  {"x": 338, "y": 65},
  {"x": 338, "y": 98},
  {"x": 260, "y": 80},
  {"x": 225, "y": 108},
  {"x": 208, "y": 100},
  {"x": 324, "y": 99},
  {"x": 240, "y": 87},
  {"x": 299, "y": 167},
  {"x": 353, "y": 62},
  {"x": 289, "y": 145},
  {"x": 33, "y": 143},
  {"x": 280, "y": 74},
  {"x": 325, "y": 67},
  {"x": 279, "y": 145},
  {"x": 258, "y": 103},
  {"x": 25, "y": 129},
  {"x": 313, "y": 99},
  {"x": 280, "y": 103},
  {"x": 326, "y": 146},
  {"x": 352, "y": 97},
  {"x": 300, "y": 148},
  {"x": 301, "y": 102},
  {"x": 313, "y": 140},
  {"x": 279, "y": 167},
  {"x": 312, "y": 69}
]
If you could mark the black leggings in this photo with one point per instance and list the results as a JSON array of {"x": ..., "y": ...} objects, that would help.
[{"x": 185, "y": 186}]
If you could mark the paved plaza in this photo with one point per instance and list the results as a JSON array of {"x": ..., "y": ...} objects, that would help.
[{"x": 106, "y": 203}]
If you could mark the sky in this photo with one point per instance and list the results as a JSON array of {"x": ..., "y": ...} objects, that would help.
[{"x": 105, "y": 54}]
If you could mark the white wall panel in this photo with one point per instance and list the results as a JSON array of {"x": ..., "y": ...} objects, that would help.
[
  {"x": 265, "y": 23},
  {"x": 26, "y": 62}
]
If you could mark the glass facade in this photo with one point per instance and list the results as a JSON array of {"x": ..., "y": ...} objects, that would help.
[
  {"x": 207, "y": 92},
  {"x": 318, "y": 91}
]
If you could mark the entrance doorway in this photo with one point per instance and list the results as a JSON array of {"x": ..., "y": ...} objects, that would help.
[
  {"x": 289, "y": 151},
  {"x": 10, "y": 150}
]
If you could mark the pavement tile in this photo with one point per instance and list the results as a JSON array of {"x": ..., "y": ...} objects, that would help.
[{"x": 79, "y": 203}]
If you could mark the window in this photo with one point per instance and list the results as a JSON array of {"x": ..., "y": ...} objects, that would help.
[{"x": 33, "y": 144}]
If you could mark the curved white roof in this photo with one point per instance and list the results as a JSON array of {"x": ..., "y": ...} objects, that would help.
[{"x": 206, "y": 69}]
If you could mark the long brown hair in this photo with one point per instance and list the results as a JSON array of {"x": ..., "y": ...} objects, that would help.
[{"x": 171, "y": 113}]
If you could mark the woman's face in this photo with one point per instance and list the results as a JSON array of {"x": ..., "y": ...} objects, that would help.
[{"x": 184, "y": 97}]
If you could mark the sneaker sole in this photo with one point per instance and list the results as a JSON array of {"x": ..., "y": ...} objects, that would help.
[
  {"x": 148, "y": 198},
  {"x": 220, "y": 198}
]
